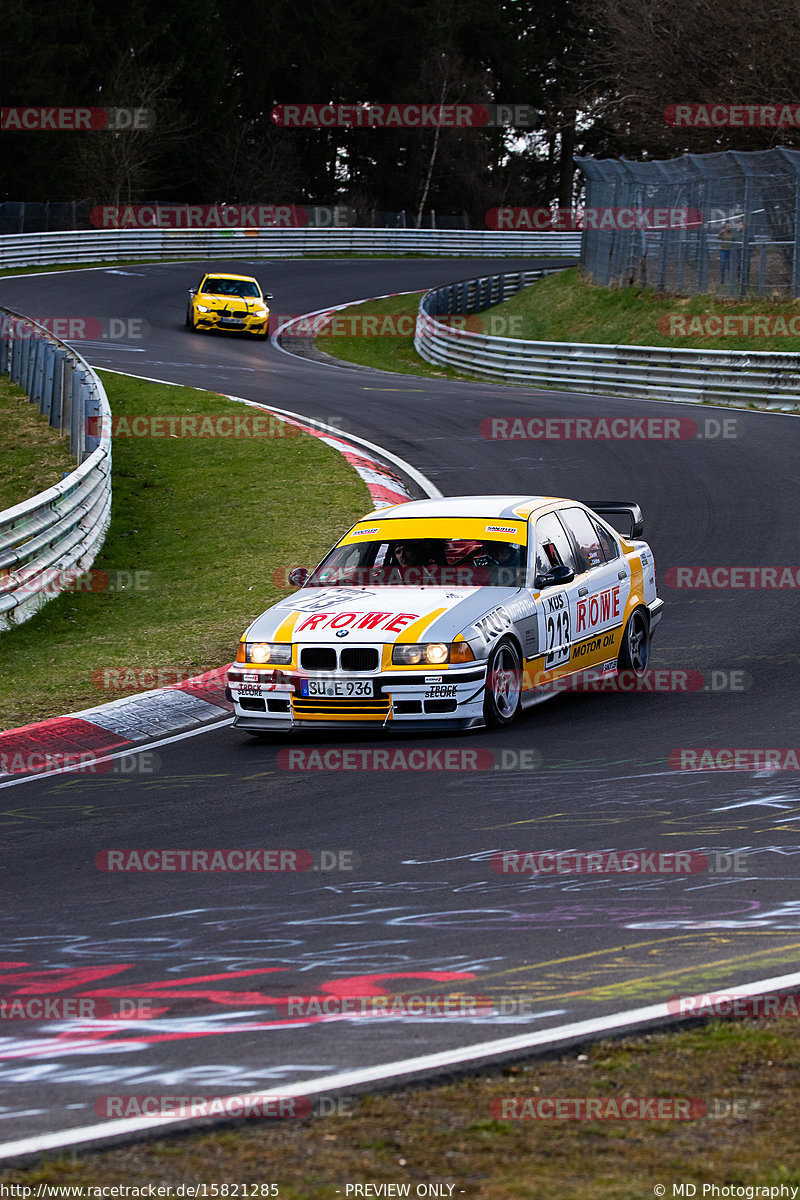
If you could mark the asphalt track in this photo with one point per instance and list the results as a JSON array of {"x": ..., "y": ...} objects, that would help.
[{"x": 422, "y": 904}]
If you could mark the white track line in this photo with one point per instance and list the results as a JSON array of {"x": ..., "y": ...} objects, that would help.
[
  {"x": 441, "y": 1060},
  {"x": 421, "y": 480}
]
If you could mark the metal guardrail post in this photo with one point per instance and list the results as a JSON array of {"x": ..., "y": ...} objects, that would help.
[
  {"x": 46, "y": 406},
  {"x": 59, "y": 375},
  {"x": 17, "y": 358},
  {"x": 75, "y": 413},
  {"x": 36, "y": 395},
  {"x": 91, "y": 425}
]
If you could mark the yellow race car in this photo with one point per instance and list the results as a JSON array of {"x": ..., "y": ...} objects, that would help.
[
  {"x": 229, "y": 302},
  {"x": 459, "y": 611}
]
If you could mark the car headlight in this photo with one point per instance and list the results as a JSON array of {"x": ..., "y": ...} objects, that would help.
[
  {"x": 413, "y": 654},
  {"x": 260, "y": 312},
  {"x": 202, "y": 308},
  {"x": 264, "y": 652}
]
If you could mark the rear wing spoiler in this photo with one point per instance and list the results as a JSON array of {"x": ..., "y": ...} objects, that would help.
[{"x": 620, "y": 508}]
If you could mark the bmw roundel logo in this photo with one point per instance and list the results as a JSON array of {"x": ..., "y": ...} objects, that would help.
[{"x": 342, "y": 632}]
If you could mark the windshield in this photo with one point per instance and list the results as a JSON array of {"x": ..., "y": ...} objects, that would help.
[
  {"x": 230, "y": 287},
  {"x": 422, "y": 562}
]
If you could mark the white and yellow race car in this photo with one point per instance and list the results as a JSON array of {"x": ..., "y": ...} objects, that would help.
[
  {"x": 234, "y": 303},
  {"x": 457, "y": 611}
]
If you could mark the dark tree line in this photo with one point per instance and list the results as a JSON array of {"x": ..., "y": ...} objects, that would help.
[{"x": 599, "y": 75}]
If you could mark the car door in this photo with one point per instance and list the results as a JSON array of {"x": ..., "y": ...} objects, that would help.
[
  {"x": 553, "y": 553},
  {"x": 602, "y": 588}
]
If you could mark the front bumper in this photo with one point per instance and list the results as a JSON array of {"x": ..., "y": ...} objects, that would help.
[
  {"x": 406, "y": 700},
  {"x": 241, "y": 323},
  {"x": 655, "y": 608}
]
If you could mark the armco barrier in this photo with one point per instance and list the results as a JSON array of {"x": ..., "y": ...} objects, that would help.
[
  {"x": 700, "y": 376},
  {"x": 46, "y": 541},
  {"x": 88, "y": 245}
]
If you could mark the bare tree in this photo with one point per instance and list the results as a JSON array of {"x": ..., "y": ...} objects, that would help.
[
  {"x": 251, "y": 161},
  {"x": 116, "y": 167},
  {"x": 651, "y": 54}
]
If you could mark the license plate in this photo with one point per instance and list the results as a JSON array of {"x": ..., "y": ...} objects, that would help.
[
  {"x": 232, "y": 321},
  {"x": 340, "y": 688}
]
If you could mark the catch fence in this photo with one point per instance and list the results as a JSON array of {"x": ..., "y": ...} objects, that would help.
[{"x": 726, "y": 224}]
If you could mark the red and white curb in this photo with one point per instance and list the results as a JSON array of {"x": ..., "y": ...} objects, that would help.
[{"x": 83, "y": 741}]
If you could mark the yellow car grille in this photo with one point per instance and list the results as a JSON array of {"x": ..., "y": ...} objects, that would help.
[{"x": 322, "y": 708}]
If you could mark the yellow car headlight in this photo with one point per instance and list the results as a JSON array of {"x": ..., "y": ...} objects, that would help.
[
  {"x": 265, "y": 652},
  {"x": 434, "y": 654}
]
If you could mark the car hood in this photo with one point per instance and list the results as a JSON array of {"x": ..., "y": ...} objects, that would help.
[
  {"x": 384, "y": 615},
  {"x": 236, "y": 304}
]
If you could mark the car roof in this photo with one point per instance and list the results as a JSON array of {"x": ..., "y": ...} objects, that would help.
[
  {"x": 228, "y": 275},
  {"x": 508, "y": 507}
]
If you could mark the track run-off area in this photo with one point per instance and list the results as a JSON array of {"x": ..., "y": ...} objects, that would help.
[{"x": 411, "y": 901}]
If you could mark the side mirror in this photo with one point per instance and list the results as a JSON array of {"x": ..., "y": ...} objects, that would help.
[
  {"x": 554, "y": 576},
  {"x": 268, "y": 296},
  {"x": 192, "y": 291},
  {"x": 298, "y": 576}
]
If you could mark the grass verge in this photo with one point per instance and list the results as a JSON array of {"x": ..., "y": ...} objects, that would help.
[
  {"x": 745, "y": 1072},
  {"x": 199, "y": 525},
  {"x": 33, "y": 457},
  {"x": 384, "y": 353},
  {"x": 563, "y": 307}
]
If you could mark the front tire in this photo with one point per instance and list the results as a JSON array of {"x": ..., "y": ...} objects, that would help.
[
  {"x": 503, "y": 685},
  {"x": 634, "y": 653}
]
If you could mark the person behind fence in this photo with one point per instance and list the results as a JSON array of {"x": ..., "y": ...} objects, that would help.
[{"x": 728, "y": 235}]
